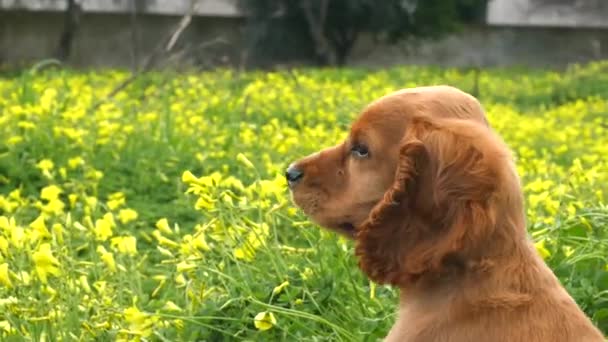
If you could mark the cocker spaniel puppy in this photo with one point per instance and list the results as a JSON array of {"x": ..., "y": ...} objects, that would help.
[{"x": 432, "y": 199}]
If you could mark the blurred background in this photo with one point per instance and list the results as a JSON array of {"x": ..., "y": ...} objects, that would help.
[{"x": 248, "y": 34}]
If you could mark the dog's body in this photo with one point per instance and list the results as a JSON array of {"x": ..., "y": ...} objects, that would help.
[{"x": 431, "y": 196}]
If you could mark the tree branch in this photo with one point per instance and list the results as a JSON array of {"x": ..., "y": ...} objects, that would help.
[
  {"x": 316, "y": 29},
  {"x": 164, "y": 46}
]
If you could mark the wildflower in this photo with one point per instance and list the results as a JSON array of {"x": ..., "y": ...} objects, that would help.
[
  {"x": 72, "y": 198},
  {"x": 542, "y": 250},
  {"x": 116, "y": 200},
  {"x": 7, "y": 224},
  {"x": 5, "y": 326},
  {"x": 50, "y": 192},
  {"x": 40, "y": 229},
  {"x": 75, "y": 162},
  {"x": 163, "y": 240},
  {"x": 107, "y": 258},
  {"x": 165, "y": 252},
  {"x": 279, "y": 289},
  {"x": 45, "y": 262},
  {"x": 48, "y": 99},
  {"x": 170, "y": 306},
  {"x": 127, "y": 215},
  {"x": 264, "y": 320},
  {"x": 24, "y": 278},
  {"x": 45, "y": 165},
  {"x": 3, "y": 246},
  {"x": 140, "y": 323},
  {"x": 180, "y": 280},
  {"x": 188, "y": 177},
  {"x": 163, "y": 226},
  {"x": 4, "y": 276},
  {"x": 91, "y": 202},
  {"x": 54, "y": 207},
  {"x": 185, "y": 266},
  {"x": 17, "y": 237},
  {"x": 125, "y": 244},
  {"x": 14, "y": 140},
  {"x": 243, "y": 160},
  {"x": 58, "y": 232},
  {"x": 8, "y": 301},
  {"x": 103, "y": 227},
  {"x": 84, "y": 283}
]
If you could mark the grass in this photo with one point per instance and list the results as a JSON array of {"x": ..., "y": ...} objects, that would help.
[{"x": 162, "y": 214}]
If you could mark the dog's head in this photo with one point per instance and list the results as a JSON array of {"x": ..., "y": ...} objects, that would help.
[
  {"x": 337, "y": 187},
  {"x": 420, "y": 184}
]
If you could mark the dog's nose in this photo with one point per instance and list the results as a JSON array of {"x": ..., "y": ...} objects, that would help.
[{"x": 293, "y": 175}]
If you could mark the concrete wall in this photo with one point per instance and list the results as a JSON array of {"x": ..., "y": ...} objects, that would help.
[
  {"x": 495, "y": 46},
  {"x": 106, "y": 39},
  {"x": 217, "y": 8},
  {"x": 549, "y": 13}
]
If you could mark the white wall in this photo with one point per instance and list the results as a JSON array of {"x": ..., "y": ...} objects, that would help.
[
  {"x": 549, "y": 13},
  {"x": 219, "y": 8}
]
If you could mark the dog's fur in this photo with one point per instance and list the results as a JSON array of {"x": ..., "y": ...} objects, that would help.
[{"x": 436, "y": 209}]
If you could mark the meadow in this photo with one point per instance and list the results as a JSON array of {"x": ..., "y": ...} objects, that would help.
[{"x": 161, "y": 213}]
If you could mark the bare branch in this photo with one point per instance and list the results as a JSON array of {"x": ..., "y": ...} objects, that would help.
[
  {"x": 317, "y": 28},
  {"x": 164, "y": 46}
]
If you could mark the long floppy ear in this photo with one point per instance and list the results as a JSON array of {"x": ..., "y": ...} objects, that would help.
[{"x": 436, "y": 214}]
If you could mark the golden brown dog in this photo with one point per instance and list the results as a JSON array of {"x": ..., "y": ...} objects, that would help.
[{"x": 431, "y": 197}]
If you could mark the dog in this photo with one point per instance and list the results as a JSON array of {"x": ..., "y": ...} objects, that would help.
[{"x": 431, "y": 197}]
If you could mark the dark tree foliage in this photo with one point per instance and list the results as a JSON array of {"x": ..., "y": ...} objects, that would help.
[{"x": 328, "y": 29}]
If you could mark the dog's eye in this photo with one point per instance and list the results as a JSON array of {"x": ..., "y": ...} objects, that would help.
[{"x": 359, "y": 151}]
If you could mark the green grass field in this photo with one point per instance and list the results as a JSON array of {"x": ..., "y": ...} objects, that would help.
[{"x": 161, "y": 214}]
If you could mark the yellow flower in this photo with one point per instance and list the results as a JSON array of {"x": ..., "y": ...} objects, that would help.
[
  {"x": 84, "y": 283},
  {"x": 45, "y": 262},
  {"x": 45, "y": 165},
  {"x": 72, "y": 198},
  {"x": 127, "y": 215},
  {"x": 7, "y": 224},
  {"x": 125, "y": 244},
  {"x": 58, "y": 232},
  {"x": 48, "y": 98},
  {"x": 54, "y": 207},
  {"x": 542, "y": 250},
  {"x": 264, "y": 320},
  {"x": 242, "y": 159},
  {"x": 279, "y": 289},
  {"x": 185, "y": 266},
  {"x": 50, "y": 192},
  {"x": 75, "y": 162},
  {"x": 188, "y": 177},
  {"x": 165, "y": 252},
  {"x": 180, "y": 280},
  {"x": 163, "y": 226},
  {"x": 6, "y": 326},
  {"x": 163, "y": 240},
  {"x": 91, "y": 202},
  {"x": 200, "y": 242},
  {"x": 4, "y": 276},
  {"x": 103, "y": 227},
  {"x": 139, "y": 323},
  {"x": 116, "y": 200},
  {"x": 3, "y": 246},
  {"x": 107, "y": 258},
  {"x": 40, "y": 229},
  {"x": 170, "y": 306}
]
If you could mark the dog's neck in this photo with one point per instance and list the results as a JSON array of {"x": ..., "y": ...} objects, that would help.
[{"x": 477, "y": 280}]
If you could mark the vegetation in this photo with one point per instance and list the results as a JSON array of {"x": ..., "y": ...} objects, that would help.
[
  {"x": 161, "y": 213},
  {"x": 328, "y": 30}
]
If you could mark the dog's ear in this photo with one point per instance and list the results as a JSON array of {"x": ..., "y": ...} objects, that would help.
[{"x": 436, "y": 213}]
